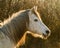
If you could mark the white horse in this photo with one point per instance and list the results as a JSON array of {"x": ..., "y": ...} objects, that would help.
[{"x": 23, "y": 22}]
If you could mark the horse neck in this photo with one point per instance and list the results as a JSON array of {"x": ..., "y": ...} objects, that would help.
[{"x": 15, "y": 28}]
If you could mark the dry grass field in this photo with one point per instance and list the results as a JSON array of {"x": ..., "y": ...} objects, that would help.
[{"x": 50, "y": 14}]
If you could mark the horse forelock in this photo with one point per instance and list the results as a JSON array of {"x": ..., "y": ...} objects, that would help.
[{"x": 36, "y": 13}]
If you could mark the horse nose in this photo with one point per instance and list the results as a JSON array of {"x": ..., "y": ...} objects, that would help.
[{"x": 47, "y": 31}]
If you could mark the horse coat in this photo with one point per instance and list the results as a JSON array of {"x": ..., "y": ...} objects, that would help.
[{"x": 20, "y": 22}]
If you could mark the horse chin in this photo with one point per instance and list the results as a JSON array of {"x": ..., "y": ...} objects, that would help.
[
  {"x": 45, "y": 38},
  {"x": 38, "y": 35}
]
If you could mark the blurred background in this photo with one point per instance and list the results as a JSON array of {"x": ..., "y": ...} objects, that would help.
[{"x": 50, "y": 14}]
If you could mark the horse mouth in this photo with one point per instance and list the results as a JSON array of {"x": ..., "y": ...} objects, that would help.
[{"x": 45, "y": 36}]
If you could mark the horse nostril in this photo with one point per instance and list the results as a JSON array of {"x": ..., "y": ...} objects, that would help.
[{"x": 47, "y": 31}]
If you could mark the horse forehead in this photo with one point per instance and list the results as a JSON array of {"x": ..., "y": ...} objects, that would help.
[
  {"x": 36, "y": 14},
  {"x": 33, "y": 12}
]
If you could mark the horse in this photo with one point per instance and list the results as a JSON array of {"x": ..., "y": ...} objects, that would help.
[{"x": 23, "y": 22}]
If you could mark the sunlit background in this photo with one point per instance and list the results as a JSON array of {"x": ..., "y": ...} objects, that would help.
[{"x": 50, "y": 14}]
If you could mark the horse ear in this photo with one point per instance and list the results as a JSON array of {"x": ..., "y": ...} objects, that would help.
[{"x": 34, "y": 8}]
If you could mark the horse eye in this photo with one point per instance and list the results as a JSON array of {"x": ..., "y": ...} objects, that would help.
[{"x": 36, "y": 20}]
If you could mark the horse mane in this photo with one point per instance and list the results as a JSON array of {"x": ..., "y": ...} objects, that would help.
[{"x": 15, "y": 26}]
